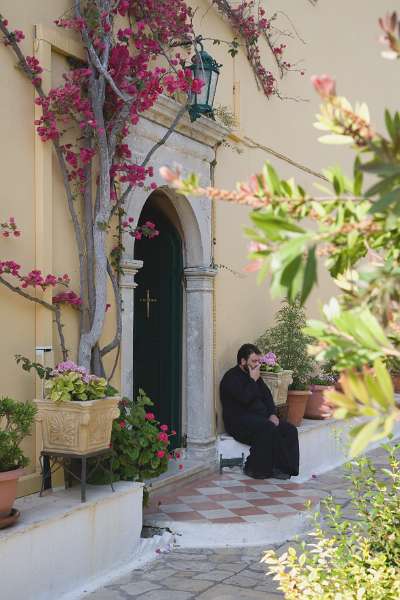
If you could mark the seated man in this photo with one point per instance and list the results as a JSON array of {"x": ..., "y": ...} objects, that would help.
[{"x": 250, "y": 417}]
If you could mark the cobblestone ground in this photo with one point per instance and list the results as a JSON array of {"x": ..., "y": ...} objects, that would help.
[{"x": 219, "y": 574}]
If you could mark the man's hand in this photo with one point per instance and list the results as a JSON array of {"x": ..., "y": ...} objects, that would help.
[
  {"x": 255, "y": 373},
  {"x": 274, "y": 419}
]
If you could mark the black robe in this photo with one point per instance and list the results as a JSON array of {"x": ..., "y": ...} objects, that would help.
[{"x": 247, "y": 406}]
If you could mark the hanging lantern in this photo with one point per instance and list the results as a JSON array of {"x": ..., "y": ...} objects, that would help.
[{"x": 206, "y": 68}]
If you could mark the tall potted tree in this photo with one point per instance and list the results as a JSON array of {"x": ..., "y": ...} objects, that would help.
[
  {"x": 16, "y": 419},
  {"x": 288, "y": 342}
]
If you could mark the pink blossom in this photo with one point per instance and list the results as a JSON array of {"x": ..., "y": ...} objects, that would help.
[
  {"x": 163, "y": 437},
  {"x": 164, "y": 427},
  {"x": 169, "y": 175},
  {"x": 160, "y": 453},
  {"x": 324, "y": 85},
  {"x": 149, "y": 416}
]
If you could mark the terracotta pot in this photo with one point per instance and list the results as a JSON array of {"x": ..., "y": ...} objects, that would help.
[
  {"x": 278, "y": 384},
  {"x": 396, "y": 382},
  {"x": 296, "y": 406},
  {"x": 8, "y": 490},
  {"x": 317, "y": 406},
  {"x": 77, "y": 427}
]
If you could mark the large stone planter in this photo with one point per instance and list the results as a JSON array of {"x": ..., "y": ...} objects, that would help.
[
  {"x": 77, "y": 427},
  {"x": 278, "y": 384},
  {"x": 318, "y": 407}
]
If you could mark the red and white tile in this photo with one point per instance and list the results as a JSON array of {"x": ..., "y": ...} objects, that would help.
[{"x": 231, "y": 498}]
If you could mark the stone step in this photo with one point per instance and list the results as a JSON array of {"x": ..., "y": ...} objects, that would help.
[
  {"x": 175, "y": 476},
  {"x": 60, "y": 546},
  {"x": 323, "y": 445}
]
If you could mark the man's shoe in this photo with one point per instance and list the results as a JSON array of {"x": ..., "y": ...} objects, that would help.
[
  {"x": 253, "y": 475},
  {"x": 278, "y": 474}
]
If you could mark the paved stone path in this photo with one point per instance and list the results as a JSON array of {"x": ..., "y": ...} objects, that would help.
[{"x": 216, "y": 574}]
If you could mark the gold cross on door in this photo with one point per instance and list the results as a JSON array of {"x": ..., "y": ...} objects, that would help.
[{"x": 148, "y": 300}]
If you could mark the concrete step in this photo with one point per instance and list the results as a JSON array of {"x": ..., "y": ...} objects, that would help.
[
  {"x": 175, "y": 476},
  {"x": 323, "y": 445},
  {"x": 60, "y": 546}
]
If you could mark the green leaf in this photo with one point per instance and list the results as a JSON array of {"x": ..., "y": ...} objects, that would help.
[
  {"x": 382, "y": 186},
  {"x": 335, "y": 138},
  {"x": 385, "y": 201},
  {"x": 381, "y": 168},
  {"x": 363, "y": 437},
  {"x": 274, "y": 179},
  {"x": 310, "y": 275}
]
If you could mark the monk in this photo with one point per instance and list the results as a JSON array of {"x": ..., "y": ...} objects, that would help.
[{"x": 250, "y": 417}]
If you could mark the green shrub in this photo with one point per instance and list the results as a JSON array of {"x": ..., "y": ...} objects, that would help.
[
  {"x": 288, "y": 342},
  {"x": 139, "y": 443},
  {"x": 16, "y": 419},
  {"x": 350, "y": 560}
]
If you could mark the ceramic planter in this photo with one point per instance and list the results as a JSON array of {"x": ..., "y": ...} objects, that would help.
[
  {"x": 317, "y": 406},
  {"x": 396, "y": 382},
  {"x": 296, "y": 406},
  {"x": 8, "y": 491},
  {"x": 77, "y": 427},
  {"x": 278, "y": 383}
]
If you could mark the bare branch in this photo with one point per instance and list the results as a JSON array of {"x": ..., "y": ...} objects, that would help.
[
  {"x": 117, "y": 295},
  {"x": 17, "y": 290},
  {"x": 57, "y": 318},
  {"x": 250, "y": 143}
]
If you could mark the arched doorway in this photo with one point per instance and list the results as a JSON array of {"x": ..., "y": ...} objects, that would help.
[{"x": 157, "y": 344}]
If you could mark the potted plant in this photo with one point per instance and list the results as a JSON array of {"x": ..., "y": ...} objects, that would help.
[
  {"x": 276, "y": 378},
  {"x": 393, "y": 365},
  {"x": 77, "y": 412},
  {"x": 16, "y": 419},
  {"x": 318, "y": 406},
  {"x": 288, "y": 342}
]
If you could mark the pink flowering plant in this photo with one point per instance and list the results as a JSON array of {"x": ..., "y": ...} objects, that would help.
[
  {"x": 134, "y": 52},
  {"x": 269, "y": 363},
  {"x": 140, "y": 444},
  {"x": 69, "y": 382}
]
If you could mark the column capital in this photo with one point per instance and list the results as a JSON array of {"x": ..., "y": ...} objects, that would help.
[
  {"x": 199, "y": 279},
  {"x": 129, "y": 269}
]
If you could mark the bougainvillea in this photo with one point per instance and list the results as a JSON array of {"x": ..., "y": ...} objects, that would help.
[
  {"x": 133, "y": 52},
  {"x": 249, "y": 21}
]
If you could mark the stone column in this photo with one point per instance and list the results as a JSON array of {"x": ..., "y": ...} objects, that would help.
[
  {"x": 201, "y": 434},
  {"x": 127, "y": 285}
]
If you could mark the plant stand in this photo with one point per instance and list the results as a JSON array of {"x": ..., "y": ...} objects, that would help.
[{"x": 52, "y": 461}]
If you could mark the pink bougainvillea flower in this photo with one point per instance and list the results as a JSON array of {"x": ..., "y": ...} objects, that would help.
[
  {"x": 149, "y": 416},
  {"x": 324, "y": 85},
  {"x": 173, "y": 432},
  {"x": 164, "y": 427},
  {"x": 169, "y": 175},
  {"x": 160, "y": 453},
  {"x": 163, "y": 437},
  {"x": 122, "y": 424}
]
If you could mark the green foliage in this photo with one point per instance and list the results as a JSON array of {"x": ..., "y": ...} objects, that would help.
[
  {"x": 350, "y": 560},
  {"x": 27, "y": 365},
  {"x": 16, "y": 419},
  {"x": 287, "y": 340},
  {"x": 73, "y": 386},
  {"x": 137, "y": 442}
]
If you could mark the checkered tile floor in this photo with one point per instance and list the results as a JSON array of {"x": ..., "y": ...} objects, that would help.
[{"x": 231, "y": 497}]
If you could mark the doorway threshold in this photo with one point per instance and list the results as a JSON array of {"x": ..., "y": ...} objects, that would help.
[{"x": 180, "y": 472}]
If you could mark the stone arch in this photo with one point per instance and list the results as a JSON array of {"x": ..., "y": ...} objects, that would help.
[{"x": 192, "y": 218}]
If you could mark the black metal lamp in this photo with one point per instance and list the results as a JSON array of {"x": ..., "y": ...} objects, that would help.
[{"x": 204, "y": 67}]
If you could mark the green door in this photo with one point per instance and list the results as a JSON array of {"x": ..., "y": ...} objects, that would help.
[{"x": 158, "y": 322}]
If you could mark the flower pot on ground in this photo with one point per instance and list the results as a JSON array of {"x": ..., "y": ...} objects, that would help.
[
  {"x": 276, "y": 378},
  {"x": 396, "y": 382},
  {"x": 289, "y": 344},
  {"x": 77, "y": 414},
  {"x": 16, "y": 419},
  {"x": 296, "y": 406},
  {"x": 318, "y": 407}
]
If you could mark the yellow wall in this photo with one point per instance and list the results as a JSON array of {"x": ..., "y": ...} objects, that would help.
[{"x": 341, "y": 39}]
